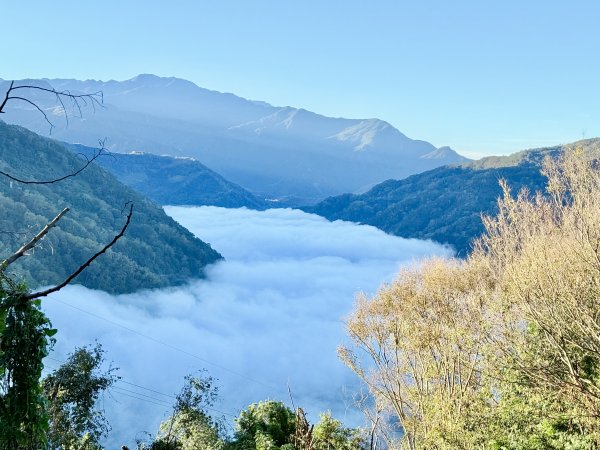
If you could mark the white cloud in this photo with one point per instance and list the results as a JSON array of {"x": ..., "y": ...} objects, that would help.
[{"x": 269, "y": 314}]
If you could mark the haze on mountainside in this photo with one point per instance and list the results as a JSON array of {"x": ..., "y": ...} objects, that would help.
[
  {"x": 446, "y": 204},
  {"x": 289, "y": 154},
  {"x": 172, "y": 180}
]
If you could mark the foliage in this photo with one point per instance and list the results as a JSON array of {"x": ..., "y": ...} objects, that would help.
[
  {"x": 270, "y": 425},
  {"x": 72, "y": 392},
  {"x": 25, "y": 339},
  {"x": 499, "y": 350},
  {"x": 156, "y": 251},
  {"x": 330, "y": 434},
  {"x": 263, "y": 426},
  {"x": 190, "y": 426},
  {"x": 545, "y": 253},
  {"x": 425, "y": 334},
  {"x": 529, "y": 418}
]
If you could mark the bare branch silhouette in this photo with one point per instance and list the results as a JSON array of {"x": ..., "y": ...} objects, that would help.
[
  {"x": 97, "y": 153},
  {"x": 28, "y": 246},
  {"x": 85, "y": 264},
  {"x": 94, "y": 99}
]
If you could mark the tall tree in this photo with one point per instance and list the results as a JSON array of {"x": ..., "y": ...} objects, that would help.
[
  {"x": 25, "y": 339},
  {"x": 191, "y": 427},
  {"x": 72, "y": 392}
]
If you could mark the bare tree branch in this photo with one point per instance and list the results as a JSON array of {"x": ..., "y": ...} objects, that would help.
[
  {"x": 100, "y": 152},
  {"x": 36, "y": 106},
  {"x": 84, "y": 265},
  {"x": 23, "y": 250},
  {"x": 96, "y": 98}
]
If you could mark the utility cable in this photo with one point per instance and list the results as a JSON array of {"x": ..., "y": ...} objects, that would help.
[{"x": 172, "y": 347}]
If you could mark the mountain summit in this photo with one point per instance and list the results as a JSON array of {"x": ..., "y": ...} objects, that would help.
[{"x": 276, "y": 152}]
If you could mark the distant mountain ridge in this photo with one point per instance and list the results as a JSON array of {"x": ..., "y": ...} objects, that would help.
[
  {"x": 172, "y": 180},
  {"x": 155, "y": 252},
  {"x": 445, "y": 204},
  {"x": 275, "y": 152}
]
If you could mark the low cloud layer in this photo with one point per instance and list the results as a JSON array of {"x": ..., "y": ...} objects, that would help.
[{"x": 269, "y": 316}]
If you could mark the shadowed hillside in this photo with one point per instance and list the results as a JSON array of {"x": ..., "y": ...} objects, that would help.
[{"x": 155, "y": 252}]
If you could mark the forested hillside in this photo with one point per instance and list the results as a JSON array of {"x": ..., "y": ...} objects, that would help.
[
  {"x": 174, "y": 181},
  {"x": 444, "y": 204},
  {"x": 155, "y": 252}
]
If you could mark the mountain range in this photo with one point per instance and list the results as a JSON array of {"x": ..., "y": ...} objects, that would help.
[
  {"x": 286, "y": 154},
  {"x": 444, "y": 204}
]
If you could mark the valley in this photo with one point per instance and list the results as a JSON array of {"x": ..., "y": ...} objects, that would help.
[
  {"x": 267, "y": 246},
  {"x": 267, "y": 317}
]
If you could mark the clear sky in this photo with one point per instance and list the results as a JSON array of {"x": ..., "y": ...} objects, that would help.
[{"x": 485, "y": 77}]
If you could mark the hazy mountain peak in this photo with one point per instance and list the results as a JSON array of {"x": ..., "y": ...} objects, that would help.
[
  {"x": 281, "y": 118},
  {"x": 445, "y": 152},
  {"x": 144, "y": 77},
  {"x": 363, "y": 133}
]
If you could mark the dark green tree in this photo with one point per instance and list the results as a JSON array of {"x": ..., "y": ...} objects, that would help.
[
  {"x": 25, "y": 339},
  {"x": 265, "y": 425},
  {"x": 190, "y": 426},
  {"x": 72, "y": 392}
]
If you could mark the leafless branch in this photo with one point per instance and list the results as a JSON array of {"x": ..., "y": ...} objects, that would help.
[
  {"x": 28, "y": 246},
  {"x": 84, "y": 265},
  {"x": 95, "y": 99},
  {"x": 100, "y": 152}
]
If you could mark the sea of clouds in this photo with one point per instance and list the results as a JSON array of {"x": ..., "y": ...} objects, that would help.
[{"x": 267, "y": 318}]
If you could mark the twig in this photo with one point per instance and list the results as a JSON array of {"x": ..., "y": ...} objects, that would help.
[
  {"x": 84, "y": 265},
  {"x": 97, "y": 98},
  {"x": 21, "y": 252},
  {"x": 96, "y": 155}
]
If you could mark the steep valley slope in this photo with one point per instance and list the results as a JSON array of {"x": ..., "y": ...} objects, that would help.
[{"x": 155, "y": 251}]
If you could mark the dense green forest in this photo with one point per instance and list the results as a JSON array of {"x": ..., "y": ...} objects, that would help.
[
  {"x": 444, "y": 204},
  {"x": 174, "y": 181},
  {"x": 156, "y": 251}
]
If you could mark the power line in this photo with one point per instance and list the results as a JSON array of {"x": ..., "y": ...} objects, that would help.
[
  {"x": 163, "y": 405},
  {"x": 172, "y": 347},
  {"x": 140, "y": 394},
  {"x": 147, "y": 389},
  {"x": 148, "y": 398}
]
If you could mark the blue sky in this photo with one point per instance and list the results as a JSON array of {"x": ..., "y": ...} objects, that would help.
[{"x": 483, "y": 77}]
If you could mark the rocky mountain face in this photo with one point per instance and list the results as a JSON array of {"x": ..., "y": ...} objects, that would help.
[{"x": 286, "y": 154}]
